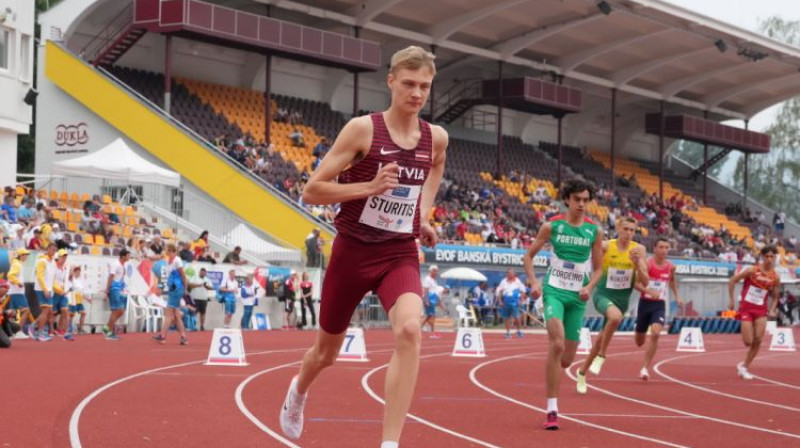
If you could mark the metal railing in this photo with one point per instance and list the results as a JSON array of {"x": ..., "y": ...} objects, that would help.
[
  {"x": 108, "y": 34},
  {"x": 465, "y": 89}
]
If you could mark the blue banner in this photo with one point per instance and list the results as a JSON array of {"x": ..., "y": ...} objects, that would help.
[{"x": 505, "y": 257}]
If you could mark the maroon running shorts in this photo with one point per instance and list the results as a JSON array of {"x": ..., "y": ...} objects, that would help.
[{"x": 389, "y": 269}]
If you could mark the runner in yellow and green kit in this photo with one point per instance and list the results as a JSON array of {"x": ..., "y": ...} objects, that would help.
[
  {"x": 575, "y": 270},
  {"x": 623, "y": 266}
]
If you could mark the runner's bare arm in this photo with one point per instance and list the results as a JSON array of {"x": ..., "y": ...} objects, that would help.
[
  {"x": 733, "y": 281},
  {"x": 773, "y": 306},
  {"x": 541, "y": 238},
  {"x": 351, "y": 145},
  {"x": 673, "y": 285},
  {"x": 641, "y": 266},
  {"x": 597, "y": 266}
]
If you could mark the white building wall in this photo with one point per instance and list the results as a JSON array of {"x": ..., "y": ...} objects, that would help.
[{"x": 16, "y": 78}]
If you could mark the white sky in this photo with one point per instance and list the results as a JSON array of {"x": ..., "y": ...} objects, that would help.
[{"x": 745, "y": 14}]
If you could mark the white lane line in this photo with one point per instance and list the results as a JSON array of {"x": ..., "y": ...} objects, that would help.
[
  {"x": 258, "y": 423},
  {"x": 628, "y": 416},
  {"x": 678, "y": 411},
  {"x": 473, "y": 378},
  {"x": 253, "y": 419},
  {"x": 657, "y": 369},
  {"x": 371, "y": 393},
  {"x": 74, "y": 420},
  {"x": 777, "y": 383},
  {"x": 74, "y": 432}
]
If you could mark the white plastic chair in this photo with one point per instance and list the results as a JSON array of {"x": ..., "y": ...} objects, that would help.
[
  {"x": 137, "y": 312},
  {"x": 155, "y": 316},
  {"x": 465, "y": 315}
]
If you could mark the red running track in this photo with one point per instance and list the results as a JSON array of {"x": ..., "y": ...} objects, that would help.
[{"x": 144, "y": 394}]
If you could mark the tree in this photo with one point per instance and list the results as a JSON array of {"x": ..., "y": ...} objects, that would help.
[{"x": 773, "y": 178}]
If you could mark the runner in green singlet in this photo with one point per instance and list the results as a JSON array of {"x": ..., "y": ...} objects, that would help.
[{"x": 575, "y": 269}]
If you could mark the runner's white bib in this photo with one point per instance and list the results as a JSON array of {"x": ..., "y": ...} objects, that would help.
[
  {"x": 755, "y": 295},
  {"x": 393, "y": 210},
  {"x": 619, "y": 278},
  {"x": 660, "y": 286},
  {"x": 566, "y": 274}
]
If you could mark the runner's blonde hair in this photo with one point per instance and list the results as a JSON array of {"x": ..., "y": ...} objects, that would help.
[{"x": 413, "y": 58}]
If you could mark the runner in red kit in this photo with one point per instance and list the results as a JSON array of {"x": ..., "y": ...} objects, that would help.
[
  {"x": 389, "y": 166},
  {"x": 760, "y": 281}
]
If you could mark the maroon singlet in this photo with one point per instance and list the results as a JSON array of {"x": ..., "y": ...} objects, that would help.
[{"x": 393, "y": 215}]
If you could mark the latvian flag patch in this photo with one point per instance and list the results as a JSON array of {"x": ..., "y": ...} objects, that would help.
[{"x": 421, "y": 156}]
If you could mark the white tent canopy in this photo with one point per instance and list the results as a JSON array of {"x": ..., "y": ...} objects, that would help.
[
  {"x": 242, "y": 236},
  {"x": 463, "y": 274},
  {"x": 117, "y": 161}
]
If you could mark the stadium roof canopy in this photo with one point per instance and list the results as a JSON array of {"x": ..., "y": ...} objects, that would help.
[{"x": 649, "y": 48}]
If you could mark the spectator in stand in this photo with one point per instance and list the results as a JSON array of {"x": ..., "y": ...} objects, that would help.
[
  {"x": 198, "y": 246},
  {"x": 322, "y": 148},
  {"x": 185, "y": 254},
  {"x": 200, "y": 288},
  {"x": 234, "y": 257},
  {"x": 35, "y": 243},
  {"x": 281, "y": 115},
  {"x": 8, "y": 211},
  {"x": 540, "y": 196},
  {"x": 314, "y": 249},
  {"x": 26, "y": 211},
  {"x": 791, "y": 243},
  {"x": 295, "y": 117},
  {"x": 779, "y": 221},
  {"x": 297, "y": 138},
  {"x": 262, "y": 166},
  {"x": 748, "y": 258}
]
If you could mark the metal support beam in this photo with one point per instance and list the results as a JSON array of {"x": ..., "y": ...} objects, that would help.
[
  {"x": 661, "y": 151},
  {"x": 746, "y": 174},
  {"x": 705, "y": 166},
  {"x": 168, "y": 74},
  {"x": 267, "y": 100},
  {"x": 560, "y": 150},
  {"x": 498, "y": 166},
  {"x": 613, "y": 134}
]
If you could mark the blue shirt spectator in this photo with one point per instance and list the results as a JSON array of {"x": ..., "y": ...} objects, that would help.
[
  {"x": 9, "y": 212},
  {"x": 25, "y": 212}
]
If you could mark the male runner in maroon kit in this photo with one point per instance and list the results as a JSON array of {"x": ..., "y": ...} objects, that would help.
[{"x": 389, "y": 166}]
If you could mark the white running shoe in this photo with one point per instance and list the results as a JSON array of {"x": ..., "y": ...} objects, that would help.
[
  {"x": 20, "y": 335},
  {"x": 581, "y": 386},
  {"x": 292, "y": 412},
  {"x": 597, "y": 364},
  {"x": 743, "y": 373},
  {"x": 644, "y": 374}
]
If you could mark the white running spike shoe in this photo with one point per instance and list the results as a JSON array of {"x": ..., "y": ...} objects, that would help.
[{"x": 292, "y": 412}]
